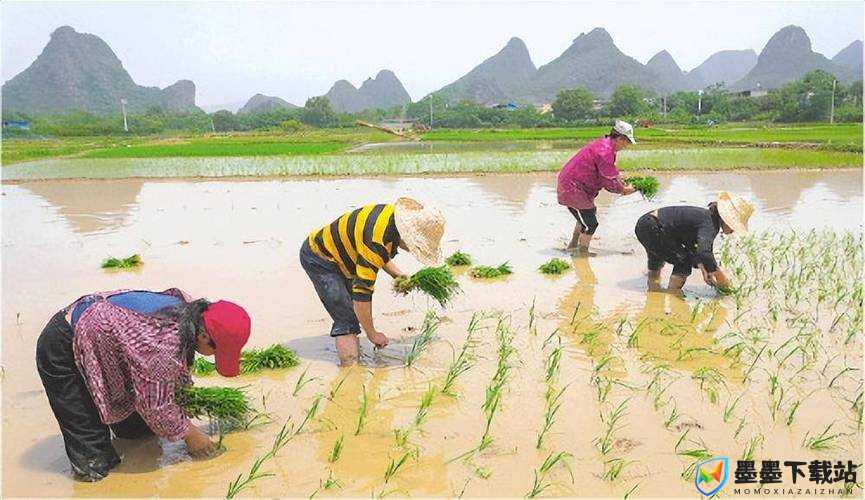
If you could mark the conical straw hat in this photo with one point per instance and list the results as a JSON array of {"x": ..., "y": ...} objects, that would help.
[
  {"x": 421, "y": 228},
  {"x": 735, "y": 212}
]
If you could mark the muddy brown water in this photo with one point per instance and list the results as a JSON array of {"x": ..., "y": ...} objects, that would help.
[{"x": 239, "y": 240}]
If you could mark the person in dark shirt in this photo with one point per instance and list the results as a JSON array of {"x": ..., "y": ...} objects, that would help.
[{"x": 684, "y": 236}]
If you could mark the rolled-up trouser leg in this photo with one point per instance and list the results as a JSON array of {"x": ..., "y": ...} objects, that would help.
[{"x": 87, "y": 439}]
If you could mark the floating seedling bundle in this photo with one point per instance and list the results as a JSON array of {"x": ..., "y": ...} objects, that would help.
[
  {"x": 437, "y": 282},
  {"x": 127, "y": 263},
  {"x": 554, "y": 266},
  {"x": 647, "y": 186},
  {"x": 252, "y": 361},
  {"x": 490, "y": 271},
  {"x": 459, "y": 259}
]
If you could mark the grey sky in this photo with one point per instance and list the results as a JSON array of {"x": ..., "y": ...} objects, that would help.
[{"x": 232, "y": 50}]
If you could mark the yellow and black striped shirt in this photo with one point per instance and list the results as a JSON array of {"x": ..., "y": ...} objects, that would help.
[{"x": 359, "y": 242}]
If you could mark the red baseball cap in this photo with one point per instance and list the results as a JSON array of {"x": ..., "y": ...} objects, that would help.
[{"x": 228, "y": 325}]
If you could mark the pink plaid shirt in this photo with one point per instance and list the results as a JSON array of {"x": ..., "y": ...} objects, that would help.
[{"x": 132, "y": 363}]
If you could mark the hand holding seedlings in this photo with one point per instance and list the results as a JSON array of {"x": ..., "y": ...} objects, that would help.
[
  {"x": 647, "y": 186},
  {"x": 437, "y": 282}
]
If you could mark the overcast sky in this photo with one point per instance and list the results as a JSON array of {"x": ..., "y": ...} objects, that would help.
[{"x": 232, "y": 50}]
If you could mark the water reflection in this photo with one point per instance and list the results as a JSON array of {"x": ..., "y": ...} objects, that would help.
[{"x": 90, "y": 207}]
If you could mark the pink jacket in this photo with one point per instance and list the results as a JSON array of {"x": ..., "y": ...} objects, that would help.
[{"x": 593, "y": 168}]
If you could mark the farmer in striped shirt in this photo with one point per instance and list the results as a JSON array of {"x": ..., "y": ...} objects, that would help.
[
  {"x": 342, "y": 260},
  {"x": 111, "y": 363}
]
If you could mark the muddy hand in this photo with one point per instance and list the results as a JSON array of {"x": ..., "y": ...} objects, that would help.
[
  {"x": 199, "y": 444},
  {"x": 378, "y": 339}
]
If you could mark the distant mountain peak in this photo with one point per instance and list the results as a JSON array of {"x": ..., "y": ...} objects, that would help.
[
  {"x": 663, "y": 59},
  {"x": 260, "y": 103},
  {"x": 789, "y": 39},
  {"x": 382, "y": 92},
  {"x": 79, "y": 71},
  {"x": 850, "y": 57}
]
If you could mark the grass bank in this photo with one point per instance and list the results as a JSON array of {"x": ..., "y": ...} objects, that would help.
[{"x": 843, "y": 137}]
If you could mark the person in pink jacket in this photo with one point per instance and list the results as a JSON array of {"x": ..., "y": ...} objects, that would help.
[{"x": 593, "y": 168}]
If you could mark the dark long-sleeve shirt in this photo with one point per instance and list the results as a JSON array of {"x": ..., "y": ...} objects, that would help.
[{"x": 695, "y": 228}]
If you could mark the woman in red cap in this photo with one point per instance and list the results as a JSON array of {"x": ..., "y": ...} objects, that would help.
[{"x": 111, "y": 363}]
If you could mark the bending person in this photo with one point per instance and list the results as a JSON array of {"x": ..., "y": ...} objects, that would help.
[
  {"x": 593, "y": 168},
  {"x": 111, "y": 363},
  {"x": 684, "y": 236},
  {"x": 342, "y": 260}
]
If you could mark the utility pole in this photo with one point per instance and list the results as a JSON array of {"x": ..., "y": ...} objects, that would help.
[
  {"x": 123, "y": 110},
  {"x": 430, "y": 114},
  {"x": 699, "y": 102},
  {"x": 832, "y": 106}
]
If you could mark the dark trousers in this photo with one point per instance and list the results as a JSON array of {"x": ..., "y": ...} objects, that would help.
[
  {"x": 660, "y": 248},
  {"x": 587, "y": 217},
  {"x": 87, "y": 439}
]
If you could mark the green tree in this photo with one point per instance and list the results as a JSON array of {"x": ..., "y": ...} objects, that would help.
[
  {"x": 224, "y": 121},
  {"x": 627, "y": 100},
  {"x": 573, "y": 104},
  {"x": 318, "y": 113}
]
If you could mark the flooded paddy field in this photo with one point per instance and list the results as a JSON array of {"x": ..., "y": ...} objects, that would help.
[{"x": 628, "y": 389}]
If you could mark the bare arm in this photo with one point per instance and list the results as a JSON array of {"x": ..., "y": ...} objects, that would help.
[
  {"x": 363, "y": 311},
  {"x": 391, "y": 268}
]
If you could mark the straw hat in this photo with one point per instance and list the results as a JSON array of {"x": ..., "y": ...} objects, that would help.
[
  {"x": 735, "y": 212},
  {"x": 421, "y": 228}
]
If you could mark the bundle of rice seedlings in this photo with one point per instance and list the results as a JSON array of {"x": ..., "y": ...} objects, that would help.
[
  {"x": 128, "y": 262},
  {"x": 491, "y": 272},
  {"x": 272, "y": 358},
  {"x": 252, "y": 361},
  {"x": 459, "y": 259},
  {"x": 647, "y": 186},
  {"x": 554, "y": 266},
  {"x": 226, "y": 404},
  {"x": 437, "y": 282}
]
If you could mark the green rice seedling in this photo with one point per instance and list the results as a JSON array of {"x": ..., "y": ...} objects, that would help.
[
  {"x": 427, "y": 334},
  {"x": 791, "y": 414},
  {"x": 551, "y": 461},
  {"x": 361, "y": 415},
  {"x": 309, "y": 415},
  {"x": 400, "y": 436},
  {"x": 425, "y": 403},
  {"x": 226, "y": 404},
  {"x": 731, "y": 407},
  {"x": 301, "y": 381},
  {"x": 458, "y": 258},
  {"x": 611, "y": 427},
  {"x": 483, "y": 472},
  {"x": 630, "y": 491},
  {"x": 464, "y": 361},
  {"x": 395, "y": 466},
  {"x": 127, "y": 263},
  {"x": 739, "y": 428},
  {"x": 552, "y": 407},
  {"x": 647, "y": 186},
  {"x": 491, "y": 272},
  {"x": 437, "y": 282},
  {"x": 251, "y": 361},
  {"x": 671, "y": 417},
  {"x": 553, "y": 364},
  {"x": 554, "y": 266},
  {"x": 613, "y": 468},
  {"x": 823, "y": 441},
  {"x": 282, "y": 438},
  {"x": 270, "y": 358},
  {"x": 202, "y": 367},
  {"x": 336, "y": 450},
  {"x": 754, "y": 443},
  {"x": 331, "y": 483}
]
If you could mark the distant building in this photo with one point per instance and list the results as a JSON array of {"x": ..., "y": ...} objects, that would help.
[
  {"x": 752, "y": 93},
  {"x": 544, "y": 108},
  {"x": 508, "y": 106},
  {"x": 16, "y": 125},
  {"x": 399, "y": 125},
  {"x": 598, "y": 104}
]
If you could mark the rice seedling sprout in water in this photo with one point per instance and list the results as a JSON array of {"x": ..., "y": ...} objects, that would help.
[
  {"x": 491, "y": 272},
  {"x": 252, "y": 361},
  {"x": 458, "y": 258},
  {"x": 424, "y": 339},
  {"x": 122, "y": 263},
  {"x": 554, "y": 266}
]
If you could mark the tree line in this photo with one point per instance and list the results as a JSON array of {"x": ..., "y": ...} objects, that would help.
[{"x": 811, "y": 99}]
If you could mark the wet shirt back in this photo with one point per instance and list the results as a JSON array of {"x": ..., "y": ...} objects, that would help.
[{"x": 695, "y": 228}]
